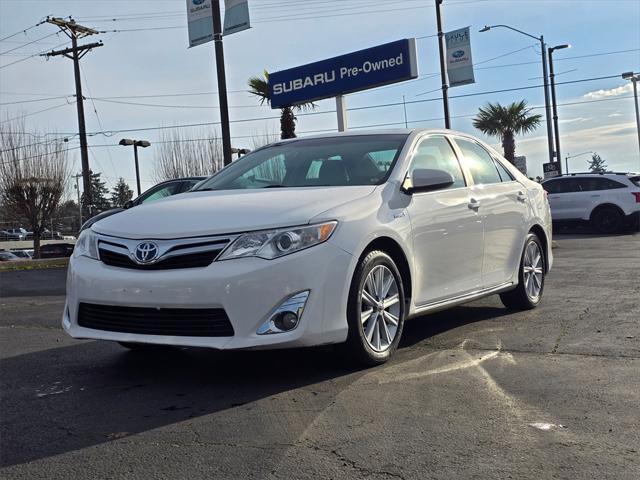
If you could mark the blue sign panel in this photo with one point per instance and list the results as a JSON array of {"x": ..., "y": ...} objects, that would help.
[{"x": 373, "y": 67}]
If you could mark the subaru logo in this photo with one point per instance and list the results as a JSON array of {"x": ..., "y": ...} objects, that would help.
[
  {"x": 458, "y": 53},
  {"x": 145, "y": 252},
  {"x": 198, "y": 2}
]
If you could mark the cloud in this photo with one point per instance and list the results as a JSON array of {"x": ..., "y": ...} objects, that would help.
[
  {"x": 616, "y": 114},
  {"x": 577, "y": 119},
  {"x": 611, "y": 92}
]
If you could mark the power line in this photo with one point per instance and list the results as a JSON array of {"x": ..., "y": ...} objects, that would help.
[
  {"x": 21, "y": 31},
  {"x": 566, "y": 104},
  {"x": 28, "y": 43}
]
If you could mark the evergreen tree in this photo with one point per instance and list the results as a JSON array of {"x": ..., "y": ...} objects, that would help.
[
  {"x": 99, "y": 199},
  {"x": 121, "y": 193},
  {"x": 597, "y": 164}
]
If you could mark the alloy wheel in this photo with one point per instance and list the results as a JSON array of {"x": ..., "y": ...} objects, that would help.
[
  {"x": 532, "y": 271},
  {"x": 380, "y": 308}
]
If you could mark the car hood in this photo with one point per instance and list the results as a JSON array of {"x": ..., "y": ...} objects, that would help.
[{"x": 229, "y": 211}]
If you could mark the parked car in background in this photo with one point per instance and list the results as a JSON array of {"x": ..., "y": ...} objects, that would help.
[
  {"x": 7, "y": 256},
  {"x": 606, "y": 200},
  {"x": 161, "y": 190},
  {"x": 23, "y": 254},
  {"x": 318, "y": 240},
  {"x": 46, "y": 234},
  {"x": 56, "y": 250},
  {"x": 15, "y": 233}
]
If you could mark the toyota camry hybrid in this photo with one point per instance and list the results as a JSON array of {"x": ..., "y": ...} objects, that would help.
[{"x": 320, "y": 240}]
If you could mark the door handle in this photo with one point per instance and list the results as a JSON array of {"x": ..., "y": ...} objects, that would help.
[
  {"x": 522, "y": 197},
  {"x": 473, "y": 204},
  {"x": 595, "y": 196}
]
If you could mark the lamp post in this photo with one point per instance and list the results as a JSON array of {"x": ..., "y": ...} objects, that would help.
[
  {"x": 545, "y": 77},
  {"x": 552, "y": 76},
  {"x": 443, "y": 66},
  {"x": 566, "y": 159},
  {"x": 136, "y": 143},
  {"x": 634, "y": 79}
]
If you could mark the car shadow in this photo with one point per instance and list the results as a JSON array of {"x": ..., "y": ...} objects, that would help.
[
  {"x": 90, "y": 393},
  {"x": 423, "y": 327},
  {"x": 69, "y": 398},
  {"x": 578, "y": 229}
]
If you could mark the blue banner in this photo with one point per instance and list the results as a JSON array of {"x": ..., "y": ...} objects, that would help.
[{"x": 382, "y": 65}]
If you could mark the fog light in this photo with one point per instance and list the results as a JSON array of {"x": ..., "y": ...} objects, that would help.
[
  {"x": 286, "y": 316},
  {"x": 286, "y": 321}
]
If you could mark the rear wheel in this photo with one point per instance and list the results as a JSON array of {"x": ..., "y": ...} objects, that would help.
[
  {"x": 528, "y": 293},
  {"x": 607, "y": 219},
  {"x": 376, "y": 309}
]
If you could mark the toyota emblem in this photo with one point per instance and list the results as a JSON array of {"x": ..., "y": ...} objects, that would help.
[{"x": 145, "y": 252}]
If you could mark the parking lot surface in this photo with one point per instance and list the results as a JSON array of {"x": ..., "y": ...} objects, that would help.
[{"x": 473, "y": 392}]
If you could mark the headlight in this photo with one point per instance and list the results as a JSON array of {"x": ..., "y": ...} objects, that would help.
[
  {"x": 86, "y": 245},
  {"x": 270, "y": 244}
]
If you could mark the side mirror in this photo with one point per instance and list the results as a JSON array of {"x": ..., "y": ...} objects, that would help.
[
  {"x": 427, "y": 179},
  {"x": 128, "y": 204}
]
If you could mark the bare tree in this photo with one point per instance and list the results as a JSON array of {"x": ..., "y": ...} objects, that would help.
[
  {"x": 33, "y": 176},
  {"x": 187, "y": 154},
  {"x": 264, "y": 137}
]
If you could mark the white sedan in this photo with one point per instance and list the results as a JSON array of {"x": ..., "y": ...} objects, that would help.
[{"x": 330, "y": 239}]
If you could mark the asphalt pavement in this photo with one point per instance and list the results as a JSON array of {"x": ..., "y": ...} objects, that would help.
[{"x": 473, "y": 392}]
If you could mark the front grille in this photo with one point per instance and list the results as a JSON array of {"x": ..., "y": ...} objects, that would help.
[
  {"x": 190, "y": 260},
  {"x": 184, "y": 322}
]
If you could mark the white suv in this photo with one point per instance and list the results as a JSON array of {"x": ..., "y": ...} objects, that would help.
[
  {"x": 312, "y": 241},
  {"x": 606, "y": 200}
]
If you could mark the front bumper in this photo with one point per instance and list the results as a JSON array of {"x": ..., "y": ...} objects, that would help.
[{"x": 248, "y": 289}]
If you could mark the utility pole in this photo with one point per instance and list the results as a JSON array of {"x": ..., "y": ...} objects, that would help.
[
  {"x": 75, "y": 53},
  {"x": 222, "y": 82},
  {"x": 443, "y": 67},
  {"x": 633, "y": 77},
  {"x": 556, "y": 130},
  {"x": 77, "y": 176}
]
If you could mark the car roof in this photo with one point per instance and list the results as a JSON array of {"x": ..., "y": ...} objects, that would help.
[{"x": 389, "y": 131}]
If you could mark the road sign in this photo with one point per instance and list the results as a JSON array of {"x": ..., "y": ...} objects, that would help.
[
  {"x": 551, "y": 169},
  {"x": 389, "y": 63},
  {"x": 459, "y": 61},
  {"x": 521, "y": 163}
]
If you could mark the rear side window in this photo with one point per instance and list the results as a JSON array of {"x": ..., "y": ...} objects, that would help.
[
  {"x": 592, "y": 184},
  {"x": 436, "y": 153},
  {"x": 635, "y": 181},
  {"x": 480, "y": 163},
  {"x": 565, "y": 185},
  {"x": 505, "y": 176}
]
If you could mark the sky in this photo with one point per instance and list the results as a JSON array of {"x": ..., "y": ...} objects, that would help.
[{"x": 145, "y": 79}]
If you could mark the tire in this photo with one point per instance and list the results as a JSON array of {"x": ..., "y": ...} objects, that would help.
[
  {"x": 373, "y": 338},
  {"x": 607, "y": 220},
  {"x": 528, "y": 294}
]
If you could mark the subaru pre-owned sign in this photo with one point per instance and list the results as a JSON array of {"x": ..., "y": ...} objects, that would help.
[{"x": 389, "y": 63}]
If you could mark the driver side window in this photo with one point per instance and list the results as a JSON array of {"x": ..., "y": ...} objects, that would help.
[{"x": 436, "y": 153}]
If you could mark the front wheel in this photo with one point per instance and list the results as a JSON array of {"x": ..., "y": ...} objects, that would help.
[
  {"x": 528, "y": 293},
  {"x": 376, "y": 309}
]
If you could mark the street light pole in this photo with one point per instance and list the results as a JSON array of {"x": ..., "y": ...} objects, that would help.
[
  {"x": 634, "y": 80},
  {"x": 222, "y": 83},
  {"x": 443, "y": 67},
  {"x": 135, "y": 156},
  {"x": 566, "y": 159},
  {"x": 136, "y": 143},
  {"x": 547, "y": 107},
  {"x": 556, "y": 131}
]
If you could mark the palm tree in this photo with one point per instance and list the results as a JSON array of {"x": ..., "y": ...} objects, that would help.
[
  {"x": 259, "y": 86},
  {"x": 505, "y": 123}
]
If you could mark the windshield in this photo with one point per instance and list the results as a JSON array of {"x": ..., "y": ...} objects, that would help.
[{"x": 317, "y": 162}]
